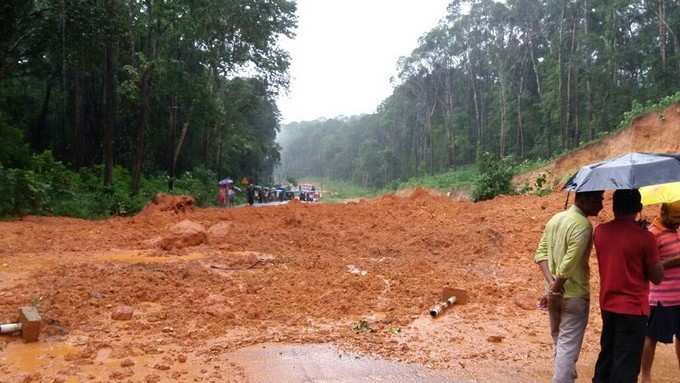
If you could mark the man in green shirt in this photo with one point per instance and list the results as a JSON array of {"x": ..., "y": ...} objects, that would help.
[{"x": 562, "y": 255}]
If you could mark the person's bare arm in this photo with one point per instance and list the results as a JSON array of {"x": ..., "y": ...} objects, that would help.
[
  {"x": 546, "y": 272},
  {"x": 671, "y": 262},
  {"x": 653, "y": 263},
  {"x": 655, "y": 273},
  {"x": 557, "y": 286}
]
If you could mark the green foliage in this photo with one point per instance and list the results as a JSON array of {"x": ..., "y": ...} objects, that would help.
[
  {"x": 200, "y": 183},
  {"x": 638, "y": 109},
  {"x": 146, "y": 80},
  {"x": 48, "y": 187},
  {"x": 338, "y": 191},
  {"x": 461, "y": 178},
  {"x": 527, "y": 79},
  {"x": 14, "y": 152},
  {"x": 495, "y": 176},
  {"x": 291, "y": 181},
  {"x": 540, "y": 186},
  {"x": 22, "y": 192}
]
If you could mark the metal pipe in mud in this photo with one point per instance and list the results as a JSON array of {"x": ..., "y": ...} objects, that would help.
[
  {"x": 10, "y": 327},
  {"x": 440, "y": 307}
]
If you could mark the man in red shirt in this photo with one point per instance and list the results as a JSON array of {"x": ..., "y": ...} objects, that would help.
[{"x": 628, "y": 259}]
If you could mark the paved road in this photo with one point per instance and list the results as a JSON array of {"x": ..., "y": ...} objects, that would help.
[{"x": 325, "y": 364}]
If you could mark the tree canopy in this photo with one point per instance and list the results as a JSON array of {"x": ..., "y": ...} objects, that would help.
[
  {"x": 523, "y": 78},
  {"x": 155, "y": 86}
]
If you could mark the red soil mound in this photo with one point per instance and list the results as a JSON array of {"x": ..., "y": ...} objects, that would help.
[
  {"x": 162, "y": 203},
  {"x": 656, "y": 132}
]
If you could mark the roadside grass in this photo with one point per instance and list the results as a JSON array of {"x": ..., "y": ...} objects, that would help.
[
  {"x": 334, "y": 191},
  {"x": 461, "y": 178}
]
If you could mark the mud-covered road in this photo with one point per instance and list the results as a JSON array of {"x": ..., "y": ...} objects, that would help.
[{"x": 360, "y": 276}]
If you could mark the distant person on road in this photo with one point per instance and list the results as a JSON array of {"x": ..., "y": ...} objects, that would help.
[
  {"x": 222, "y": 195},
  {"x": 664, "y": 299},
  {"x": 250, "y": 194},
  {"x": 562, "y": 255},
  {"x": 628, "y": 259}
]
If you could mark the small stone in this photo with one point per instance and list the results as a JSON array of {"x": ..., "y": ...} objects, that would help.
[
  {"x": 127, "y": 363},
  {"x": 214, "y": 299},
  {"x": 168, "y": 330},
  {"x": 162, "y": 367},
  {"x": 153, "y": 378},
  {"x": 495, "y": 339},
  {"x": 182, "y": 358},
  {"x": 122, "y": 313}
]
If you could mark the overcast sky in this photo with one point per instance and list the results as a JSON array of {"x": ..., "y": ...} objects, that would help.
[{"x": 346, "y": 51}]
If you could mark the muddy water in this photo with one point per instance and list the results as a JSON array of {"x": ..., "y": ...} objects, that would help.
[
  {"x": 324, "y": 363},
  {"x": 33, "y": 357}
]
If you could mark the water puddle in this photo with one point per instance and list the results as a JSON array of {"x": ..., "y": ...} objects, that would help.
[
  {"x": 324, "y": 363},
  {"x": 33, "y": 357}
]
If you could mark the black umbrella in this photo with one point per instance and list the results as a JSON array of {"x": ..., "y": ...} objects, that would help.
[{"x": 629, "y": 171}]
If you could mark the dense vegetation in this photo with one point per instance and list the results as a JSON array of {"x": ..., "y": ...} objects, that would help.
[
  {"x": 142, "y": 89},
  {"x": 521, "y": 79}
]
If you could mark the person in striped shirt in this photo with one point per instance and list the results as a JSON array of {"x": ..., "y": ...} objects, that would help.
[{"x": 664, "y": 299}]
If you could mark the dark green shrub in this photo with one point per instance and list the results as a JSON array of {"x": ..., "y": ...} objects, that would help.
[
  {"x": 14, "y": 152},
  {"x": 22, "y": 192},
  {"x": 495, "y": 176}
]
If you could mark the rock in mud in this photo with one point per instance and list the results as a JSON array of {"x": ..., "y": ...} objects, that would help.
[
  {"x": 214, "y": 299},
  {"x": 169, "y": 203},
  {"x": 495, "y": 339},
  {"x": 219, "y": 231},
  {"x": 184, "y": 234},
  {"x": 219, "y": 311},
  {"x": 122, "y": 313}
]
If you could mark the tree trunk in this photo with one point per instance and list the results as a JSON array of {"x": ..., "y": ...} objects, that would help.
[
  {"x": 504, "y": 106},
  {"x": 520, "y": 119},
  {"x": 77, "y": 120},
  {"x": 450, "y": 126},
  {"x": 37, "y": 135},
  {"x": 563, "y": 134},
  {"x": 663, "y": 32},
  {"x": 180, "y": 142},
  {"x": 142, "y": 124},
  {"x": 108, "y": 120},
  {"x": 570, "y": 85},
  {"x": 430, "y": 133},
  {"x": 675, "y": 35},
  {"x": 145, "y": 107},
  {"x": 475, "y": 100},
  {"x": 172, "y": 115},
  {"x": 589, "y": 90}
]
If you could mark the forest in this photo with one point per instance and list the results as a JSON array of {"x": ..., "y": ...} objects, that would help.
[
  {"x": 521, "y": 79},
  {"x": 105, "y": 96}
]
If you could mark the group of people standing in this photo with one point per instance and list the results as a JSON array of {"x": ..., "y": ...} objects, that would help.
[{"x": 630, "y": 258}]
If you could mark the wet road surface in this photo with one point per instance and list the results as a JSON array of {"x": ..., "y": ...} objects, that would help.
[{"x": 324, "y": 363}]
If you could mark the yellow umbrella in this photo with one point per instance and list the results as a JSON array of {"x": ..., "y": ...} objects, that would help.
[{"x": 663, "y": 193}]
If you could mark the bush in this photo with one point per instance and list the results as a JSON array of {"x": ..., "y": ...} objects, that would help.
[
  {"x": 14, "y": 152},
  {"x": 495, "y": 176},
  {"x": 47, "y": 186},
  {"x": 22, "y": 192}
]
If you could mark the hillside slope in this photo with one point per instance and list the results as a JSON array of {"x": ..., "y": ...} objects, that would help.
[{"x": 657, "y": 132}]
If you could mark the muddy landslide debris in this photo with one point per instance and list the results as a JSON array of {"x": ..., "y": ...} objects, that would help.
[
  {"x": 280, "y": 274},
  {"x": 122, "y": 313},
  {"x": 184, "y": 234}
]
